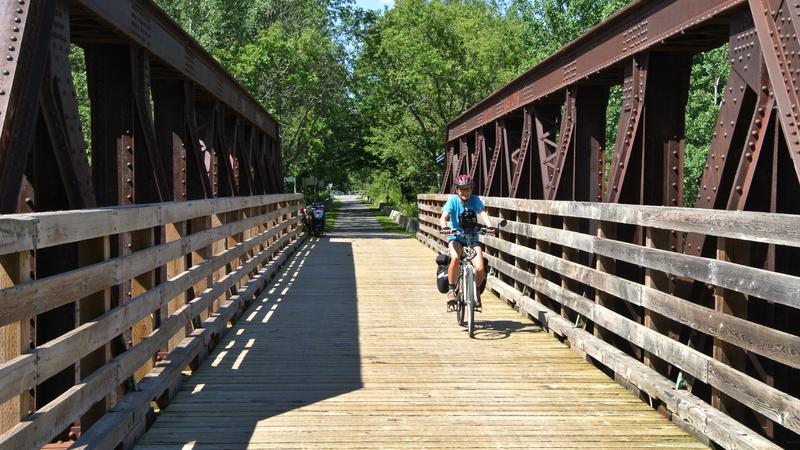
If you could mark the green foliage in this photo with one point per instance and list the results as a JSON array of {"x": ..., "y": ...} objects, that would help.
[
  {"x": 421, "y": 65},
  {"x": 291, "y": 56},
  {"x": 78, "y": 63},
  {"x": 709, "y": 75}
]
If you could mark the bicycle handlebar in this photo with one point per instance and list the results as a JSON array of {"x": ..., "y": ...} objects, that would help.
[{"x": 491, "y": 231}]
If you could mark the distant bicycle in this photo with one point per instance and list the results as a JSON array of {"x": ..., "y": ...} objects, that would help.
[{"x": 466, "y": 288}]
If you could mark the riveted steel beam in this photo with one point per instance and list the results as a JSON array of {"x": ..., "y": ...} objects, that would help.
[
  {"x": 638, "y": 28},
  {"x": 27, "y": 34},
  {"x": 144, "y": 23}
]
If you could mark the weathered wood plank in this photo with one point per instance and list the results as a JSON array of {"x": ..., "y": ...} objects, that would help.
[
  {"x": 35, "y": 297},
  {"x": 777, "y": 287},
  {"x": 779, "y": 229},
  {"x": 30, "y": 231}
]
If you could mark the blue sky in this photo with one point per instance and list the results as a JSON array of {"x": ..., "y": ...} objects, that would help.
[{"x": 374, "y": 4}]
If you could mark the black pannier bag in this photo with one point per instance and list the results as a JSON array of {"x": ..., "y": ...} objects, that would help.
[{"x": 442, "y": 261}]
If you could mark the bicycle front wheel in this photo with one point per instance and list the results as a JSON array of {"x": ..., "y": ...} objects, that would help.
[
  {"x": 469, "y": 300},
  {"x": 460, "y": 312}
]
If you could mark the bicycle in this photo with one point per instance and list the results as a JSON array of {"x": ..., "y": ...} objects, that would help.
[{"x": 466, "y": 288}]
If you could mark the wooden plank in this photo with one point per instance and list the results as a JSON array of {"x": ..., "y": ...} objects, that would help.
[
  {"x": 62, "y": 227},
  {"x": 37, "y": 296},
  {"x": 779, "y": 229},
  {"x": 773, "y": 286},
  {"x": 17, "y": 234}
]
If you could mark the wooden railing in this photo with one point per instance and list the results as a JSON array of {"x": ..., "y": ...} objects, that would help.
[
  {"x": 155, "y": 288},
  {"x": 656, "y": 316}
]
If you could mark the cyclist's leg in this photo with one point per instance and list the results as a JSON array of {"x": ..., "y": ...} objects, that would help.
[
  {"x": 480, "y": 270},
  {"x": 455, "y": 249}
]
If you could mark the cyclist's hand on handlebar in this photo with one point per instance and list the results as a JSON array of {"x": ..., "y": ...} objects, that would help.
[
  {"x": 447, "y": 230},
  {"x": 491, "y": 231}
]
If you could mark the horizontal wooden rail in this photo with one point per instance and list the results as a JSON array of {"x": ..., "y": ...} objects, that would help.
[
  {"x": 524, "y": 256},
  {"x": 249, "y": 238}
]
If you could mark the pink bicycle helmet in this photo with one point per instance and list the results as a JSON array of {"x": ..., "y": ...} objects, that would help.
[{"x": 463, "y": 180}]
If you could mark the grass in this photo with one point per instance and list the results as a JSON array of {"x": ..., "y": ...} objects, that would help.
[{"x": 388, "y": 224}]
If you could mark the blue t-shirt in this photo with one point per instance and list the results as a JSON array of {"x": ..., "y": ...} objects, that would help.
[{"x": 454, "y": 207}]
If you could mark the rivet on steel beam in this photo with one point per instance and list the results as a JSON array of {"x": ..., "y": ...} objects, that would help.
[
  {"x": 17, "y": 20},
  {"x": 13, "y": 39},
  {"x": 15, "y": 29},
  {"x": 21, "y": 2},
  {"x": 739, "y": 189},
  {"x": 2, "y": 92},
  {"x": 130, "y": 197},
  {"x": 9, "y": 58}
]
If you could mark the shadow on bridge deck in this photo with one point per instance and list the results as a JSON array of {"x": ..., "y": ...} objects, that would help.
[{"x": 295, "y": 346}]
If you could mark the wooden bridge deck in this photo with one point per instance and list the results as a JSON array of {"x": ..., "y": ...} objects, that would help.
[{"x": 352, "y": 348}]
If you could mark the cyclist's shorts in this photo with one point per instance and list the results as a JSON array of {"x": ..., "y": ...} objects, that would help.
[{"x": 463, "y": 242}]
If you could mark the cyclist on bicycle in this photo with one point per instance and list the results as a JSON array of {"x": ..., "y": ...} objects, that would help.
[{"x": 463, "y": 204}]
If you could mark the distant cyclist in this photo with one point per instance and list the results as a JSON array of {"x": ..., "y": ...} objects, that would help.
[{"x": 463, "y": 207}]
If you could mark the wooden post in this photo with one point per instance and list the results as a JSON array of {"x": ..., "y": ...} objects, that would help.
[
  {"x": 544, "y": 247},
  {"x": 734, "y": 304},
  {"x": 200, "y": 224},
  {"x": 606, "y": 265},
  {"x": 174, "y": 232},
  {"x": 573, "y": 255},
  {"x": 140, "y": 240},
  {"x": 90, "y": 308},
  {"x": 521, "y": 240},
  {"x": 218, "y": 247},
  {"x": 15, "y": 338},
  {"x": 660, "y": 239}
]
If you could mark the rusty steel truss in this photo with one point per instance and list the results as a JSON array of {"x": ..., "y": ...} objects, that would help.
[
  {"x": 542, "y": 136},
  {"x": 168, "y": 123}
]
